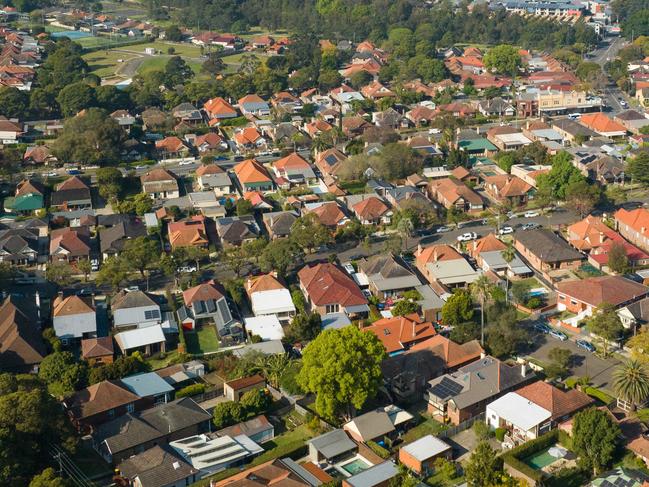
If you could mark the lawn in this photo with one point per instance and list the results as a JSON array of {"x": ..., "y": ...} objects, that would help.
[
  {"x": 203, "y": 340},
  {"x": 158, "y": 63},
  {"x": 427, "y": 426},
  {"x": 182, "y": 49},
  {"x": 105, "y": 63},
  {"x": 162, "y": 362}
]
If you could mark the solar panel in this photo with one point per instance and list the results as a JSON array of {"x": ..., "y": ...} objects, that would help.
[
  {"x": 225, "y": 311},
  {"x": 606, "y": 483},
  {"x": 446, "y": 388}
]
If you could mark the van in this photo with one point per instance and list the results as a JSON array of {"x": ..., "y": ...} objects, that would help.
[{"x": 574, "y": 116}]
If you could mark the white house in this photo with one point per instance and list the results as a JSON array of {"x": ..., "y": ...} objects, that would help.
[
  {"x": 74, "y": 317},
  {"x": 135, "y": 308},
  {"x": 267, "y": 327},
  {"x": 523, "y": 419}
]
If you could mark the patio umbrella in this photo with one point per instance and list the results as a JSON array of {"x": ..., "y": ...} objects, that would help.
[{"x": 557, "y": 452}]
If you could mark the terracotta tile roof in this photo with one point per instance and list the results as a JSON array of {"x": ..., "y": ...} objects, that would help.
[
  {"x": 73, "y": 182},
  {"x": 257, "y": 199},
  {"x": 376, "y": 90},
  {"x": 600, "y": 123},
  {"x": 327, "y": 284},
  {"x": 460, "y": 172},
  {"x": 318, "y": 125},
  {"x": 203, "y": 292},
  {"x": 190, "y": 232},
  {"x": 508, "y": 186},
  {"x": 251, "y": 171},
  {"x": 559, "y": 403},
  {"x": 273, "y": 472},
  {"x": 589, "y": 233},
  {"x": 170, "y": 144},
  {"x": 244, "y": 382},
  {"x": 27, "y": 186},
  {"x": 292, "y": 161},
  {"x": 96, "y": 347},
  {"x": 253, "y": 98},
  {"x": 613, "y": 290},
  {"x": 453, "y": 353},
  {"x": 209, "y": 169},
  {"x": 39, "y": 154},
  {"x": 248, "y": 135},
  {"x": 211, "y": 139},
  {"x": 71, "y": 305},
  {"x": 370, "y": 209},
  {"x": 637, "y": 219},
  {"x": 436, "y": 253},
  {"x": 420, "y": 113},
  {"x": 158, "y": 174},
  {"x": 74, "y": 241},
  {"x": 329, "y": 214},
  {"x": 266, "y": 282},
  {"x": 21, "y": 343},
  {"x": 365, "y": 46},
  {"x": 330, "y": 160},
  {"x": 488, "y": 243},
  {"x": 99, "y": 398},
  {"x": 399, "y": 332},
  {"x": 450, "y": 190}
]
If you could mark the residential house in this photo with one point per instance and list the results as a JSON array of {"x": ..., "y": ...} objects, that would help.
[
  {"x": 529, "y": 173},
  {"x": 272, "y": 472},
  {"x": 387, "y": 275},
  {"x": 420, "y": 455},
  {"x": 632, "y": 120},
  {"x": 74, "y": 317},
  {"x": 160, "y": 183},
  {"x": 248, "y": 139},
  {"x": 496, "y": 107},
  {"x": 423, "y": 146},
  {"x": 19, "y": 246},
  {"x": 70, "y": 244},
  {"x": 10, "y": 131},
  {"x": 331, "y": 447},
  {"x": 97, "y": 351},
  {"x": 573, "y": 131},
  {"x": 402, "y": 197},
  {"x": 633, "y": 225},
  {"x": 268, "y": 296},
  {"x": 507, "y": 188},
  {"x": 602, "y": 124},
  {"x": 330, "y": 290},
  {"x": 28, "y": 198},
  {"x": 212, "y": 177},
  {"x": 444, "y": 265},
  {"x": 380, "y": 475},
  {"x": 295, "y": 169},
  {"x": 328, "y": 213},
  {"x": 399, "y": 333},
  {"x": 375, "y": 425},
  {"x": 218, "y": 109},
  {"x": 209, "y": 142},
  {"x": 316, "y": 127},
  {"x": 476, "y": 146},
  {"x": 149, "y": 385},
  {"x": 234, "y": 389},
  {"x": 134, "y": 309},
  {"x": 522, "y": 419},
  {"x": 421, "y": 115},
  {"x": 187, "y": 113},
  {"x": 254, "y": 105},
  {"x": 353, "y": 126},
  {"x": 258, "y": 429},
  {"x": 138, "y": 431},
  {"x": 546, "y": 251},
  {"x": 235, "y": 230},
  {"x": 71, "y": 194},
  {"x": 329, "y": 161},
  {"x": 21, "y": 341},
  {"x": 171, "y": 148},
  {"x": 375, "y": 91},
  {"x": 278, "y": 224},
  {"x": 372, "y": 211},
  {"x": 488, "y": 253},
  {"x": 258, "y": 201},
  {"x": 562, "y": 404},
  {"x": 253, "y": 176},
  {"x": 191, "y": 232},
  {"x": 451, "y": 193},
  {"x": 460, "y": 395},
  {"x": 390, "y": 118},
  {"x": 113, "y": 239},
  {"x": 157, "y": 467},
  {"x": 286, "y": 102}
]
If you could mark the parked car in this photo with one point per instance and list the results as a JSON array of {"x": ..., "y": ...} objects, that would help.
[
  {"x": 349, "y": 268},
  {"x": 442, "y": 229},
  {"x": 559, "y": 335},
  {"x": 51, "y": 174},
  {"x": 542, "y": 328},
  {"x": 434, "y": 131},
  {"x": 131, "y": 289},
  {"x": 367, "y": 293},
  {"x": 531, "y": 214},
  {"x": 187, "y": 268},
  {"x": 467, "y": 237},
  {"x": 589, "y": 347},
  {"x": 94, "y": 265},
  {"x": 529, "y": 226},
  {"x": 186, "y": 162},
  {"x": 506, "y": 230},
  {"x": 424, "y": 232},
  {"x": 221, "y": 158}
]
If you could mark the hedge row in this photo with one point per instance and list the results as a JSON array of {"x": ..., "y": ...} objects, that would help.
[
  {"x": 378, "y": 449},
  {"x": 191, "y": 390},
  {"x": 514, "y": 457}
]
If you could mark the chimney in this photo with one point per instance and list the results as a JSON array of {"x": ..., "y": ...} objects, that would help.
[
  {"x": 419, "y": 249},
  {"x": 523, "y": 370},
  {"x": 482, "y": 355},
  {"x": 435, "y": 256}
]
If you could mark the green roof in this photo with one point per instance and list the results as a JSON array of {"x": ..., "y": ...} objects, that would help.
[
  {"x": 476, "y": 145},
  {"x": 25, "y": 202}
]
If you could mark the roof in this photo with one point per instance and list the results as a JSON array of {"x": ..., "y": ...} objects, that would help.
[
  {"x": 292, "y": 161},
  {"x": 376, "y": 475},
  {"x": 328, "y": 213},
  {"x": 146, "y": 384},
  {"x": 99, "y": 398},
  {"x": 188, "y": 232},
  {"x": 203, "y": 292},
  {"x": 371, "y": 425},
  {"x": 96, "y": 347},
  {"x": 249, "y": 428},
  {"x": 158, "y": 174},
  {"x": 333, "y": 443},
  {"x": 637, "y": 219},
  {"x": 72, "y": 305},
  {"x": 206, "y": 169},
  {"x": 559, "y": 403},
  {"x": 452, "y": 353},
  {"x": 156, "y": 467},
  {"x": 601, "y": 123},
  {"x": 508, "y": 186},
  {"x": 131, "y": 299},
  {"x": 519, "y": 411},
  {"x": 452, "y": 190},
  {"x": 370, "y": 208},
  {"x": 266, "y": 326},
  {"x": 327, "y": 284},
  {"x": 488, "y": 243},
  {"x": 21, "y": 343},
  {"x": 399, "y": 332},
  {"x": 613, "y": 290},
  {"x": 251, "y": 171},
  {"x": 219, "y": 108},
  {"x": 140, "y": 337},
  {"x": 244, "y": 382},
  {"x": 547, "y": 245},
  {"x": 279, "y": 473},
  {"x": 387, "y": 272},
  {"x": 426, "y": 447}
]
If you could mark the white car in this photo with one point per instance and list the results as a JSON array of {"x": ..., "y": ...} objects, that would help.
[
  {"x": 505, "y": 231},
  {"x": 434, "y": 131},
  {"x": 442, "y": 229},
  {"x": 94, "y": 265},
  {"x": 51, "y": 174},
  {"x": 467, "y": 237},
  {"x": 531, "y": 214},
  {"x": 186, "y": 269},
  {"x": 349, "y": 268},
  {"x": 131, "y": 289},
  {"x": 185, "y": 163}
]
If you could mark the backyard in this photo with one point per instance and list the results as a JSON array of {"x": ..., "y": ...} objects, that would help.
[
  {"x": 202, "y": 340},
  {"x": 425, "y": 426}
]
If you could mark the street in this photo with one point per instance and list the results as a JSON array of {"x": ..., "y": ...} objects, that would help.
[{"x": 607, "y": 52}]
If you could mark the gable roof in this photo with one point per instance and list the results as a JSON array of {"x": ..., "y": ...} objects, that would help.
[
  {"x": 637, "y": 219},
  {"x": 219, "y": 108},
  {"x": 452, "y": 353},
  {"x": 559, "y": 403},
  {"x": 265, "y": 282},
  {"x": 601, "y": 123},
  {"x": 370, "y": 208},
  {"x": 328, "y": 213},
  {"x": 251, "y": 171},
  {"x": 70, "y": 306},
  {"x": 157, "y": 175},
  {"x": 203, "y": 292},
  {"x": 292, "y": 161},
  {"x": 488, "y": 243},
  {"x": 96, "y": 347},
  {"x": 436, "y": 253},
  {"x": 547, "y": 245},
  {"x": 98, "y": 398},
  {"x": 131, "y": 299},
  {"x": 327, "y": 284},
  {"x": 21, "y": 343},
  {"x": 509, "y": 186},
  {"x": 613, "y": 290},
  {"x": 155, "y": 467},
  {"x": 205, "y": 169},
  {"x": 398, "y": 332}
]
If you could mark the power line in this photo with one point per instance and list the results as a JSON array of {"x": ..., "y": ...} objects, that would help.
[{"x": 68, "y": 466}]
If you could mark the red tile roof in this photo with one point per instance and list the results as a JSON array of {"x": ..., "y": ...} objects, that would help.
[
  {"x": 595, "y": 291},
  {"x": 559, "y": 403},
  {"x": 327, "y": 284},
  {"x": 454, "y": 354},
  {"x": 370, "y": 209},
  {"x": 202, "y": 292},
  {"x": 399, "y": 332}
]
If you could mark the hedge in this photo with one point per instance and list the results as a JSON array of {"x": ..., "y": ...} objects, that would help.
[
  {"x": 599, "y": 394},
  {"x": 514, "y": 457},
  {"x": 191, "y": 390},
  {"x": 565, "y": 439},
  {"x": 378, "y": 449}
]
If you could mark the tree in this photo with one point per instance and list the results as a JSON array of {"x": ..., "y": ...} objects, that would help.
[
  {"x": 485, "y": 467},
  {"x": 48, "y": 478},
  {"x": 14, "y": 102},
  {"x": 606, "y": 324},
  {"x": 560, "y": 177},
  {"x": 256, "y": 401},
  {"x": 122, "y": 367},
  {"x": 280, "y": 255},
  {"x": 59, "y": 272},
  {"x": 631, "y": 382},
  {"x": 594, "y": 438},
  {"x": 638, "y": 168},
  {"x": 227, "y": 413},
  {"x": 342, "y": 367},
  {"x": 186, "y": 255},
  {"x": 639, "y": 345},
  {"x": 405, "y": 227},
  {"x": 141, "y": 253},
  {"x": 360, "y": 79},
  {"x": 503, "y": 335},
  {"x": 404, "y": 307},
  {"x": 582, "y": 197},
  {"x": 304, "y": 327},
  {"x": 113, "y": 272},
  {"x": 560, "y": 361},
  {"x": 480, "y": 289},
  {"x": 173, "y": 34},
  {"x": 508, "y": 254},
  {"x": 309, "y": 233},
  {"x": 111, "y": 98},
  {"x": 503, "y": 59},
  {"x": 109, "y": 182},
  {"x": 244, "y": 207},
  {"x": 329, "y": 79},
  {"x": 62, "y": 373},
  {"x": 76, "y": 97},
  {"x": 177, "y": 72},
  {"x": 618, "y": 261},
  {"x": 85, "y": 267},
  {"x": 458, "y": 308},
  {"x": 213, "y": 64}
]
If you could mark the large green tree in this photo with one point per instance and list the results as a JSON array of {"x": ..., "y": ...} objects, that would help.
[
  {"x": 458, "y": 308},
  {"x": 606, "y": 324},
  {"x": 13, "y": 102},
  {"x": 142, "y": 253},
  {"x": 76, "y": 97},
  {"x": 594, "y": 438},
  {"x": 62, "y": 373},
  {"x": 638, "y": 168},
  {"x": 504, "y": 59},
  {"x": 342, "y": 368},
  {"x": 631, "y": 382},
  {"x": 309, "y": 233},
  {"x": 560, "y": 177},
  {"x": 485, "y": 467}
]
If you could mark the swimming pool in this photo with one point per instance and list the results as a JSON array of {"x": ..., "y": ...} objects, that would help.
[
  {"x": 540, "y": 460},
  {"x": 71, "y": 34},
  {"x": 355, "y": 466},
  {"x": 539, "y": 291}
]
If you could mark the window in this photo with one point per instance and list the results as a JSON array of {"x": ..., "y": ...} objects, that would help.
[
  {"x": 332, "y": 308},
  {"x": 572, "y": 301},
  {"x": 130, "y": 408},
  {"x": 111, "y": 413},
  {"x": 152, "y": 314}
]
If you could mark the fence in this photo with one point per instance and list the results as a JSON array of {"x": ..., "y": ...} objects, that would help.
[{"x": 454, "y": 430}]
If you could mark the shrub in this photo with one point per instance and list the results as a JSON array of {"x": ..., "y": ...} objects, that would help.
[
  {"x": 599, "y": 395},
  {"x": 500, "y": 434},
  {"x": 534, "y": 303},
  {"x": 571, "y": 382},
  {"x": 378, "y": 449},
  {"x": 565, "y": 439},
  {"x": 481, "y": 430},
  {"x": 514, "y": 457},
  {"x": 191, "y": 390}
]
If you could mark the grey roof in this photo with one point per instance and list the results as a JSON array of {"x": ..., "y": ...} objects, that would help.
[
  {"x": 333, "y": 443},
  {"x": 429, "y": 298},
  {"x": 67, "y": 195},
  {"x": 373, "y": 424},
  {"x": 271, "y": 347},
  {"x": 388, "y": 272},
  {"x": 426, "y": 447},
  {"x": 146, "y": 384},
  {"x": 236, "y": 229},
  {"x": 495, "y": 261},
  {"x": 132, "y": 299},
  {"x": 114, "y": 238},
  {"x": 640, "y": 310},
  {"x": 249, "y": 428},
  {"x": 279, "y": 222},
  {"x": 573, "y": 128},
  {"x": 630, "y": 115},
  {"x": 378, "y": 474},
  {"x": 547, "y": 245},
  {"x": 156, "y": 467}
]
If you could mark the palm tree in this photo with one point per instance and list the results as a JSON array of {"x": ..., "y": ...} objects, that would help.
[
  {"x": 631, "y": 382},
  {"x": 480, "y": 290},
  {"x": 508, "y": 255}
]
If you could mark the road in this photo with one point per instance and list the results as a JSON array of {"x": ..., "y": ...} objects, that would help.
[{"x": 607, "y": 52}]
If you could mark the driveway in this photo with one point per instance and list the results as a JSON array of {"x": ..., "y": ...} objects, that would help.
[{"x": 465, "y": 442}]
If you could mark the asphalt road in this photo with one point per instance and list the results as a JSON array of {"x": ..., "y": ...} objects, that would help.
[{"x": 607, "y": 52}]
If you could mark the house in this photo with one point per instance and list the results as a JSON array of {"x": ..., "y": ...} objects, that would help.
[
  {"x": 488, "y": 253},
  {"x": 212, "y": 177},
  {"x": 372, "y": 211},
  {"x": 248, "y": 139},
  {"x": 273, "y": 472},
  {"x": 529, "y": 173},
  {"x": 136, "y": 431},
  {"x": 445, "y": 265},
  {"x": 508, "y": 188},
  {"x": 209, "y": 142},
  {"x": 235, "y": 230},
  {"x": 254, "y": 105},
  {"x": 97, "y": 351},
  {"x": 236, "y": 388},
  {"x": 420, "y": 455},
  {"x": 328, "y": 213},
  {"x": 546, "y": 251},
  {"x": 187, "y": 113},
  {"x": 584, "y": 297},
  {"x": 571, "y": 130},
  {"x": 264, "y": 327},
  {"x": 218, "y": 109},
  {"x": 460, "y": 395},
  {"x": 329, "y": 161},
  {"x": 399, "y": 333},
  {"x": 149, "y": 385},
  {"x": 602, "y": 124},
  {"x": 331, "y": 447},
  {"x": 402, "y": 197},
  {"x": 19, "y": 246},
  {"x": 134, "y": 309},
  {"x": 451, "y": 193},
  {"x": 380, "y": 475},
  {"x": 113, "y": 239},
  {"x": 159, "y": 183},
  {"x": 278, "y": 224},
  {"x": 477, "y": 146},
  {"x": 268, "y": 296},
  {"x": 390, "y": 118},
  {"x": 258, "y": 429},
  {"x": 71, "y": 194},
  {"x": 375, "y": 91},
  {"x": 633, "y": 225},
  {"x": 206, "y": 302},
  {"x": 406, "y": 375},
  {"x": 286, "y": 102},
  {"x": 157, "y": 467},
  {"x": 21, "y": 341},
  {"x": 374, "y": 425},
  {"x": 74, "y": 317},
  {"x": 10, "y": 131},
  {"x": 28, "y": 198},
  {"x": 171, "y": 148},
  {"x": 421, "y": 115},
  {"x": 507, "y": 138},
  {"x": 70, "y": 244},
  {"x": 562, "y": 404},
  {"x": 190, "y": 232},
  {"x": 330, "y": 290},
  {"x": 295, "y": 169},
  {"x": 253, "y": 176},
  {"x": 387, "y": 275},
  {"x": 632, "y": 120},
  {"x": 521, "y": 418},
  {"x": 496, "y": 107}
]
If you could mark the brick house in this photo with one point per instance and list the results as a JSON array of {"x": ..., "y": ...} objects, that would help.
[
  {"x": 634, "y": 226},
  {"x": 546, "y": 251},
  {"x": 420, "y": 455},
  {"x": 236, "y": 388}
]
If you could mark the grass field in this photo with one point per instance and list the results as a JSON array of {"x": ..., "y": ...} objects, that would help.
[
  {"x": 203, "y": 340},
  {"x": 158, "y": 64},
  {"x": 105, "y": 63},
  {"x": 181, "y": 49}
]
